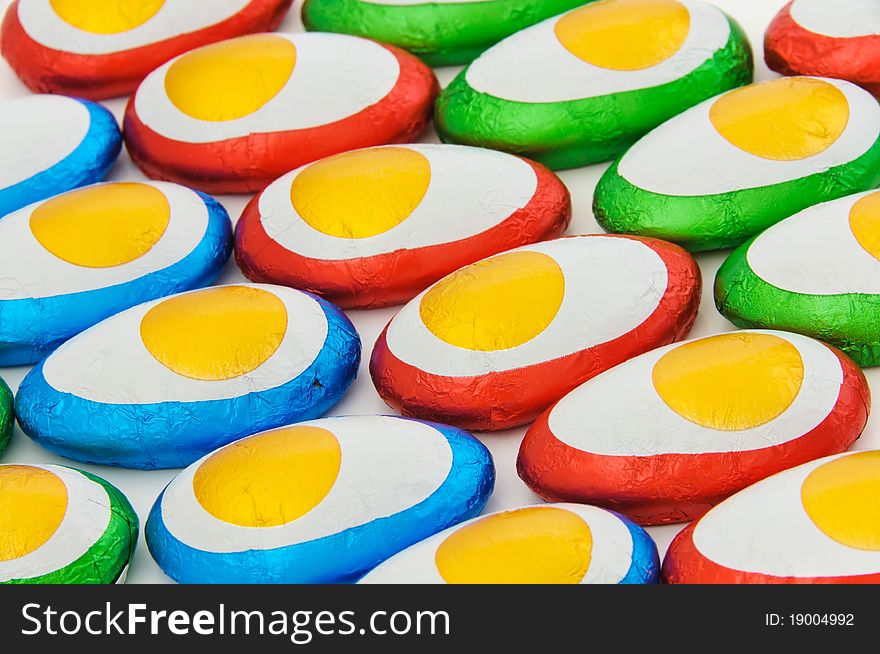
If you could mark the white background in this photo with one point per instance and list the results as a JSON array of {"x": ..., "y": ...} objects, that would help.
[{"x": 142, "y": 487}]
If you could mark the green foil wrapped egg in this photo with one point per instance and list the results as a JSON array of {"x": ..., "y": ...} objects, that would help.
[
  {"x": 60, "y": 525},
  {"x": 6, "y": 415},
  {"x": 739, "y": 163},
  {"x": 816, "y": 273},
  {"x": 580, "y": 88},
  {"x": 441, "y": 32}
]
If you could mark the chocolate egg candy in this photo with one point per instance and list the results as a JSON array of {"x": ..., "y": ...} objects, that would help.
[
  {"x": 816, "y": 273},
  {"x": 59, "y": 525},
  {"x": 549, "y": 544},
  {"x": 376, "y": 226},
  {"x": 817, "y": 523},
  {"x": 7, "y": 418},
  {"x": 815, "y": 37},
  {"x": 103, "y": 48},
  {"x": 163, "y": 383},
  {"x": 714, "y": 415},
  {"x": 495, "y": 343},
  {"x": 50, "y": 144},
  {"x": 580, "y": 88},
  {"x": 317, "y": 502},
  {"x": 73, "y": 260},
  {"x": 734, "y": 165},
  {"x": 441, "y": 32},
  {"x": 233, "y": 116}
]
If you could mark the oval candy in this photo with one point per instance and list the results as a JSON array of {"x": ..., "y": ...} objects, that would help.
[
  {"x": 665, "y": 436},
  {"x": 7, "y": 417},
  {"x": 734, "y": 165},
  {"x": 495, "y": 343},
  {"x": 103, "y": 48},
  {"x": 163, "y": 383},
  {"x": 580, "y": 88},
  {"x": 233, "y": 116},
  {"x": 60, "y": 525},
  {"x": 549, "y": 544},
  {"x": 836, "y": 297},
  {"x": 815, "y": 37},
  {"x": 817, "y": 523},
  {"x": 317, "y": 502},
  {"x": 440, "y": 32},
  {"x": 51, "y": 144},
  {"x": 375, "y": 227},
  {"x": 73, "y": 260}
]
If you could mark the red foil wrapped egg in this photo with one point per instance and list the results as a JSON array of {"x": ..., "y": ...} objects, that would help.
[
  {"x": 814, "y": 524},
  {"x": 104, "y": 48},
  {"x": 376, "y": 226},
  {"x": 495, "y": 343},
  {"x": 233, "y": 116},
  {"x": 665, "y": 436},
  {"x": 827, "y": 39}
]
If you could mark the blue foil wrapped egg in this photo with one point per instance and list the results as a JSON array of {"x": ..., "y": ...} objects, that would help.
[
  {"x": 75, "y": 259},
  {"x": 543, "y": 544},
  {"x": 50, "y": 144},
  {"x": 318, "y": 502},
  {"x": 163, "y": 383}
]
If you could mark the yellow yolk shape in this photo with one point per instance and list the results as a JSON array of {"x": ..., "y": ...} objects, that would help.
[
  {"x": 106, "y": 16},
  {"x": 783, "y": 120},
  {"x": 102, "y": 226},
  {"x": 496, "y": 304},
  {"x": 363, "y": 193},
  {"x": 539, "y": 545},
  {"x": 842, "y": 498},
  {"x": 731, "y": 381},
  {"x": 216, "y": 333},
  {"x": 864, "y": 221},
  {"x": 33, "y": 502},
  {"x": 625, "y": 34},
  {"x": 270, "y": 479},
  {"x": 231, "y": 79}
]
